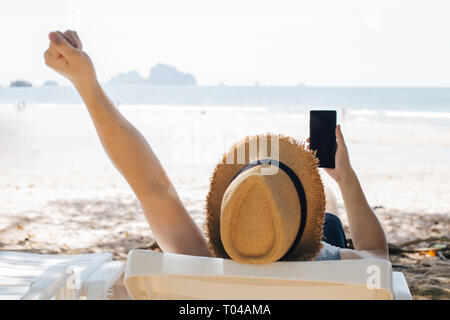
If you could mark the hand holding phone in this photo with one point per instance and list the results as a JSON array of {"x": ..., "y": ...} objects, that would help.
[{"x": 322, "y": 133}]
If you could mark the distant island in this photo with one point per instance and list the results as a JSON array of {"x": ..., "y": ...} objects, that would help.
[
  {"x": 50, "y": 83},
  {"x": 130, "y": 77},
  {"x": 20, "y": 83},
  {"x": 160, "y": 75}
]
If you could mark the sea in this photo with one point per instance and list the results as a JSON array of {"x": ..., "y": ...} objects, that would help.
[
  {"x": 411, "y": 105},
  {"x": 48, "y": 140}
]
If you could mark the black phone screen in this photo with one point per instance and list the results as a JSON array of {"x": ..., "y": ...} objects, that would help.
[{"x": 322, "y": 135}]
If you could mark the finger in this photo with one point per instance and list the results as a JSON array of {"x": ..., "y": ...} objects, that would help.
[
  {"x": 51, "y": 53},
  {"x": 48, "y": 55},
  {"x": 58, "y": 64},
  {"x": 78, "y": 39},
  {"x": 60, "y": 44},
  {"x": 68, "y": 39},
  {"x": 308, "y": 143},
  {"x": 54, "y": 59},
  {"x": 72, "y": 39}
]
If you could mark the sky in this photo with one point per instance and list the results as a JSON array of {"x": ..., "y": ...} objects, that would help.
[{"x": 279, "y": 42}]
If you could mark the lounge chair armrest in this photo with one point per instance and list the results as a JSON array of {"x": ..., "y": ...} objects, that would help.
[
  {"x": 51, "y": 282},
  {"x": 103, "y": 279},
  {"x": 400, "y": 287}
]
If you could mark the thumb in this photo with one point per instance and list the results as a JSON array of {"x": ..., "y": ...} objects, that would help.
[
  {"x": 340, "y": 136},
  {"x": 60, "y": 44}
]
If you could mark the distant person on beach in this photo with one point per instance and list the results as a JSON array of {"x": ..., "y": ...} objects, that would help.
[
  {"x": 251, "y": 216},
  {"x": 21, "y": 106}
]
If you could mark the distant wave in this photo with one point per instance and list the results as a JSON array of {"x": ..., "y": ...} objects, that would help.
[
  {"x": 400, "y": 114},
  {"x": 414, "y": 114},
  {"x": 346, "y": 114}
]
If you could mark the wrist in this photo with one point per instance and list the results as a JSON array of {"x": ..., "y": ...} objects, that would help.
[
  {"x": 85, "y": 84},
  {"x": 87, "y": 88}
]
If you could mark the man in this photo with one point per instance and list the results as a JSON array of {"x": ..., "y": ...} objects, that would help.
[{"x": 174, "y": 229}]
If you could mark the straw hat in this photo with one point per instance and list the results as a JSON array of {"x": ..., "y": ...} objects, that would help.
[{"x": 266, "y": 202}]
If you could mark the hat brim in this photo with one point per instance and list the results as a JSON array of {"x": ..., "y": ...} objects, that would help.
[{"x": 302, "y": 162}]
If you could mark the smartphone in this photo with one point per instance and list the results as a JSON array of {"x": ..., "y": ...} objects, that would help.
[{"x": 322, "y": 135}]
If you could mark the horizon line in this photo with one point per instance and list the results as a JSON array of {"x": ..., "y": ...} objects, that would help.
[{"x": 300, "y": 86}]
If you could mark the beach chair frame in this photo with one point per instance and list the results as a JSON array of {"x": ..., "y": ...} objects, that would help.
[
  {"x": 156, "y": 275},
  {"x": 31, "y": 276}
]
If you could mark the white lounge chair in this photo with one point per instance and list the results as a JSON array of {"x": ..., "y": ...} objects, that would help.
[
  {"x": 155, "y": 275},
  {"x": 50, "y": 276}
]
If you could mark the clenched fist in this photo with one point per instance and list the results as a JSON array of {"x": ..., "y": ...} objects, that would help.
[{"x": 65, "y": 56}]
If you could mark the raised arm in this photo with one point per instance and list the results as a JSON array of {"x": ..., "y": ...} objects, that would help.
[
  {"x": 367, "y": 233},
  {"x": 174, "y": 229}
]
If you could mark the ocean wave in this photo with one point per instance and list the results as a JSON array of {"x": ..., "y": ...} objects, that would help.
[{"x": 400, "y": 114}]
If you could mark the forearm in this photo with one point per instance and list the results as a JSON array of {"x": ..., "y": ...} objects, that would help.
[
  {"x": 366, "y": 231},
  {"x": 125, "y": 146},
  {"x": 171, "y": 224}
]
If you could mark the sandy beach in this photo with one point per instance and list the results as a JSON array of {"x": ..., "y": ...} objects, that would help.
[{"x": 60, "y": 194}]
